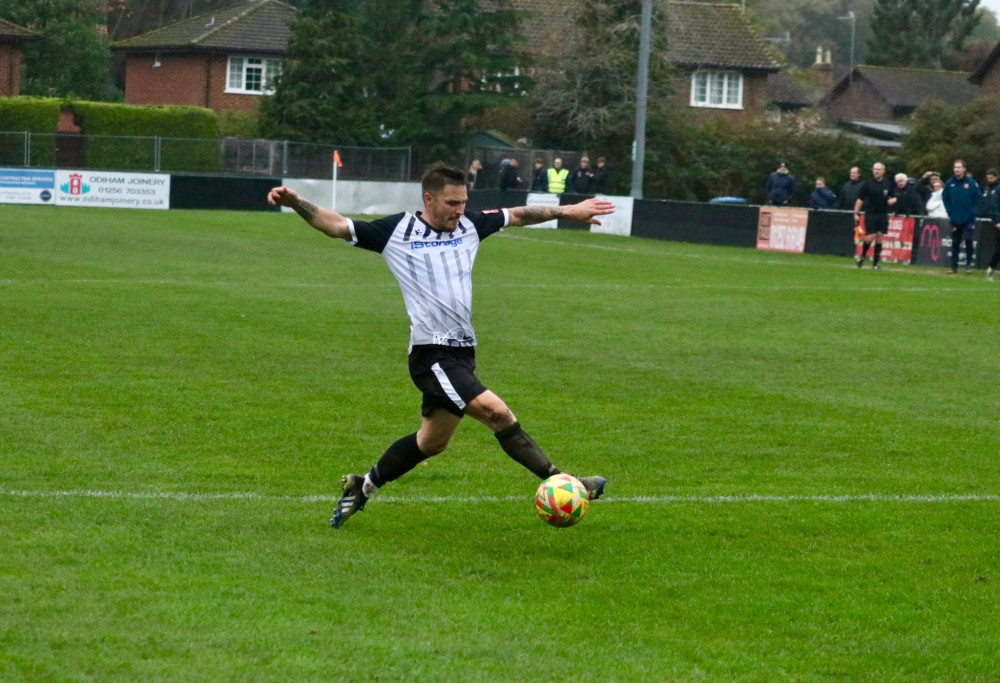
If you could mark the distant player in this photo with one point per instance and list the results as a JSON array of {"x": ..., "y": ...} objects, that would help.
[{"x": 431, "y": 254}]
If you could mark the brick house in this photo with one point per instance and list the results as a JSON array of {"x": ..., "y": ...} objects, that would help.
[
  {"x": 987, "y": 75},
  {"x": 12, "y": 39},
  {"x": 721, "y": 61},
  {"x": 890, "y": 94},
  {"x": 223, "y": 60}
]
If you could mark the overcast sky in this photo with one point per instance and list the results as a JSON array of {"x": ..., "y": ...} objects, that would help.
[{"x": 993, "y": 5}]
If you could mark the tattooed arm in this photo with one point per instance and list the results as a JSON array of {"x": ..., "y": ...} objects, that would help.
[
  {"x": 326, "y": 221},
  {"x": 584, "y": 212}
]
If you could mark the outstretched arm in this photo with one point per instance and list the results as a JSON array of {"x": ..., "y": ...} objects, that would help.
[
  {"x": 326, "y": 221},
  {"x": 584, "y": 212}
]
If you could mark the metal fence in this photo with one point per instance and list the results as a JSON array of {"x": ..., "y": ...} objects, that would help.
[
  {"x": 239, "y": 157},
  {"x": 227, "y": 156}
]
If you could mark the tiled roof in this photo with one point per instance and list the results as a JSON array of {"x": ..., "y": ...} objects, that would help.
[
  {"x": 712, "y": 34},
  {"x": 784, "y": 90},
  {"x": 980, "y": 72},
  {"x": 259, "y": 26},
  {"x": 909, "y": 88},
  {"x": 9, "y": 30},
  {"x": 715, "y": 35}
]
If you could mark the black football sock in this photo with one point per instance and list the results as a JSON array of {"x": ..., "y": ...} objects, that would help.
[
  {"x": 864, "y": 249},
  {"x": 878, "y": 253},
  {"x": 519, "y": 445},
  {"x": 398, "y": 459}
]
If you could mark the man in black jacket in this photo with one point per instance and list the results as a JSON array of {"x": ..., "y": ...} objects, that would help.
[
  {"x": 990, "y": 208},
  {"x": 876, "y": 199},
  {"x": 509, "y": 178},
  {"x": 581, "y": 180},
  {"x": 780, "y": 187},
  {"x": 849, "y": 193},
  {"x": 540, "y": 181},
  {"x": 601, "y": 175},
  {"x": 909, "y": 202}
]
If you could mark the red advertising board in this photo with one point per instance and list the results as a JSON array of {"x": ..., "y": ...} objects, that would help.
[
  {"x": 781, "y": 229},
  {"x": 897, "y": 244}
]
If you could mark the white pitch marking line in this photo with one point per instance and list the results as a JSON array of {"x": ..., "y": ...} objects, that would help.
[{"x": 654, "y": 500}]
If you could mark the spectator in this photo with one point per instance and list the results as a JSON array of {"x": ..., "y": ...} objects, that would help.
[
  {"x": 990, "y": 208},
  {"x": 874, "y": 197},
  {"x": 849, "y": 192},
  {"x": 780, "y": 187},
  {"x": 540, "y": 181},
  {"x": 822, "y": 197},
  {"x": 908, "y": 199},
  {"x": 935, "y": 203},
  {"x": 961, "y": 197},
  {"x": 474, "y": 175},
  {"x": 557, "y": 176},
  {"x": 509, "y": 178},
  {"x": 925, "y": 186},
  {"x": 601, "y": 175},
  {"x": 581, "y": 180}
]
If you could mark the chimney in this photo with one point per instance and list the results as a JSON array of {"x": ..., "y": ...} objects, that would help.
[{"x": 823, "y": 67}]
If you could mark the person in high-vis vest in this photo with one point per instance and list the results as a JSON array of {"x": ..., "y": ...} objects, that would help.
[{"x": 557, "y": 177}]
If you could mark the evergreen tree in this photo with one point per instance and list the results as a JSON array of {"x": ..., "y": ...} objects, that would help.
[
  {"x": 387, "y": 72},
  {"x": 320, "y": 94},
  {"x": 921, "y": 33},
  {"x": 472, "y": 56},
  {"x": 71, "y": 57}
]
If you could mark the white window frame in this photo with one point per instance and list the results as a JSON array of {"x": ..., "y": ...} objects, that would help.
[
  {"x": 239, "y": 67},
  {"x": 727, "y": 83}
]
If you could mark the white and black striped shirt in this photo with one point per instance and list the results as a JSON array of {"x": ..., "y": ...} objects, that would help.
[{"x": 433, "y": 268}]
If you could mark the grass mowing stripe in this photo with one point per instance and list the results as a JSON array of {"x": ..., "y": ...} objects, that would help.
[
  {"x": 816, "y": 465},
  {"x": 726, "y": 287},
  {"x": 320, "y": 498}
]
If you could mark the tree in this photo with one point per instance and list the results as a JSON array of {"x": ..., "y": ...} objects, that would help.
[
  {"x": 474, "y": 58},
  {"x": 321, "y": 95},
  {"x": 812, "y": 23},
  {"x": 71, "y": 57},
  {"x": 928, "y": 34},
  {"x": 940, "y": 133},
  {"x": 388, "y": 72}
]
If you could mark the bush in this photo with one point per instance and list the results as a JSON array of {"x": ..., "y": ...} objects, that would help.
[
  {"x": 941, "y": 133},
  {"x": 33, "y": 114},
  {"x": 698, "y": 162},
  {"x": 38, "y": 115},
  {"x": 112, "y": 129}
]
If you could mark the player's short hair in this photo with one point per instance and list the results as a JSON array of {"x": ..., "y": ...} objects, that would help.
[
  {"x": 993, "y": 172},
  {"x": 900, "y": 176},
  {"x": 438, "y": 176}
]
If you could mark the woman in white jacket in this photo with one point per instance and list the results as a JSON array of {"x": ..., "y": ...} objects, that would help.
[{"x": 935, "y": 205}]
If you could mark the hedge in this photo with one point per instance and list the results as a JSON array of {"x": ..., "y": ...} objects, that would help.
[
  {"x": 119, "y": 136},
  {"x": 32, "y": 114},
  {"x": 109, "y": 127}
]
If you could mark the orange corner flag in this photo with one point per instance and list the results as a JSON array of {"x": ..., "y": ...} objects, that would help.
[{"x": 336, "y": 159}]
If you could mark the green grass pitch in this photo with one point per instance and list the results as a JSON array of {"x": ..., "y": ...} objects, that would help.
[{"x": 802, "y": 461}]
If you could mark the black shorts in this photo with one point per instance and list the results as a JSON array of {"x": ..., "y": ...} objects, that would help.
[
  {"x": 446, "y": 376},
  {"x": 876, "y": 222}
]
